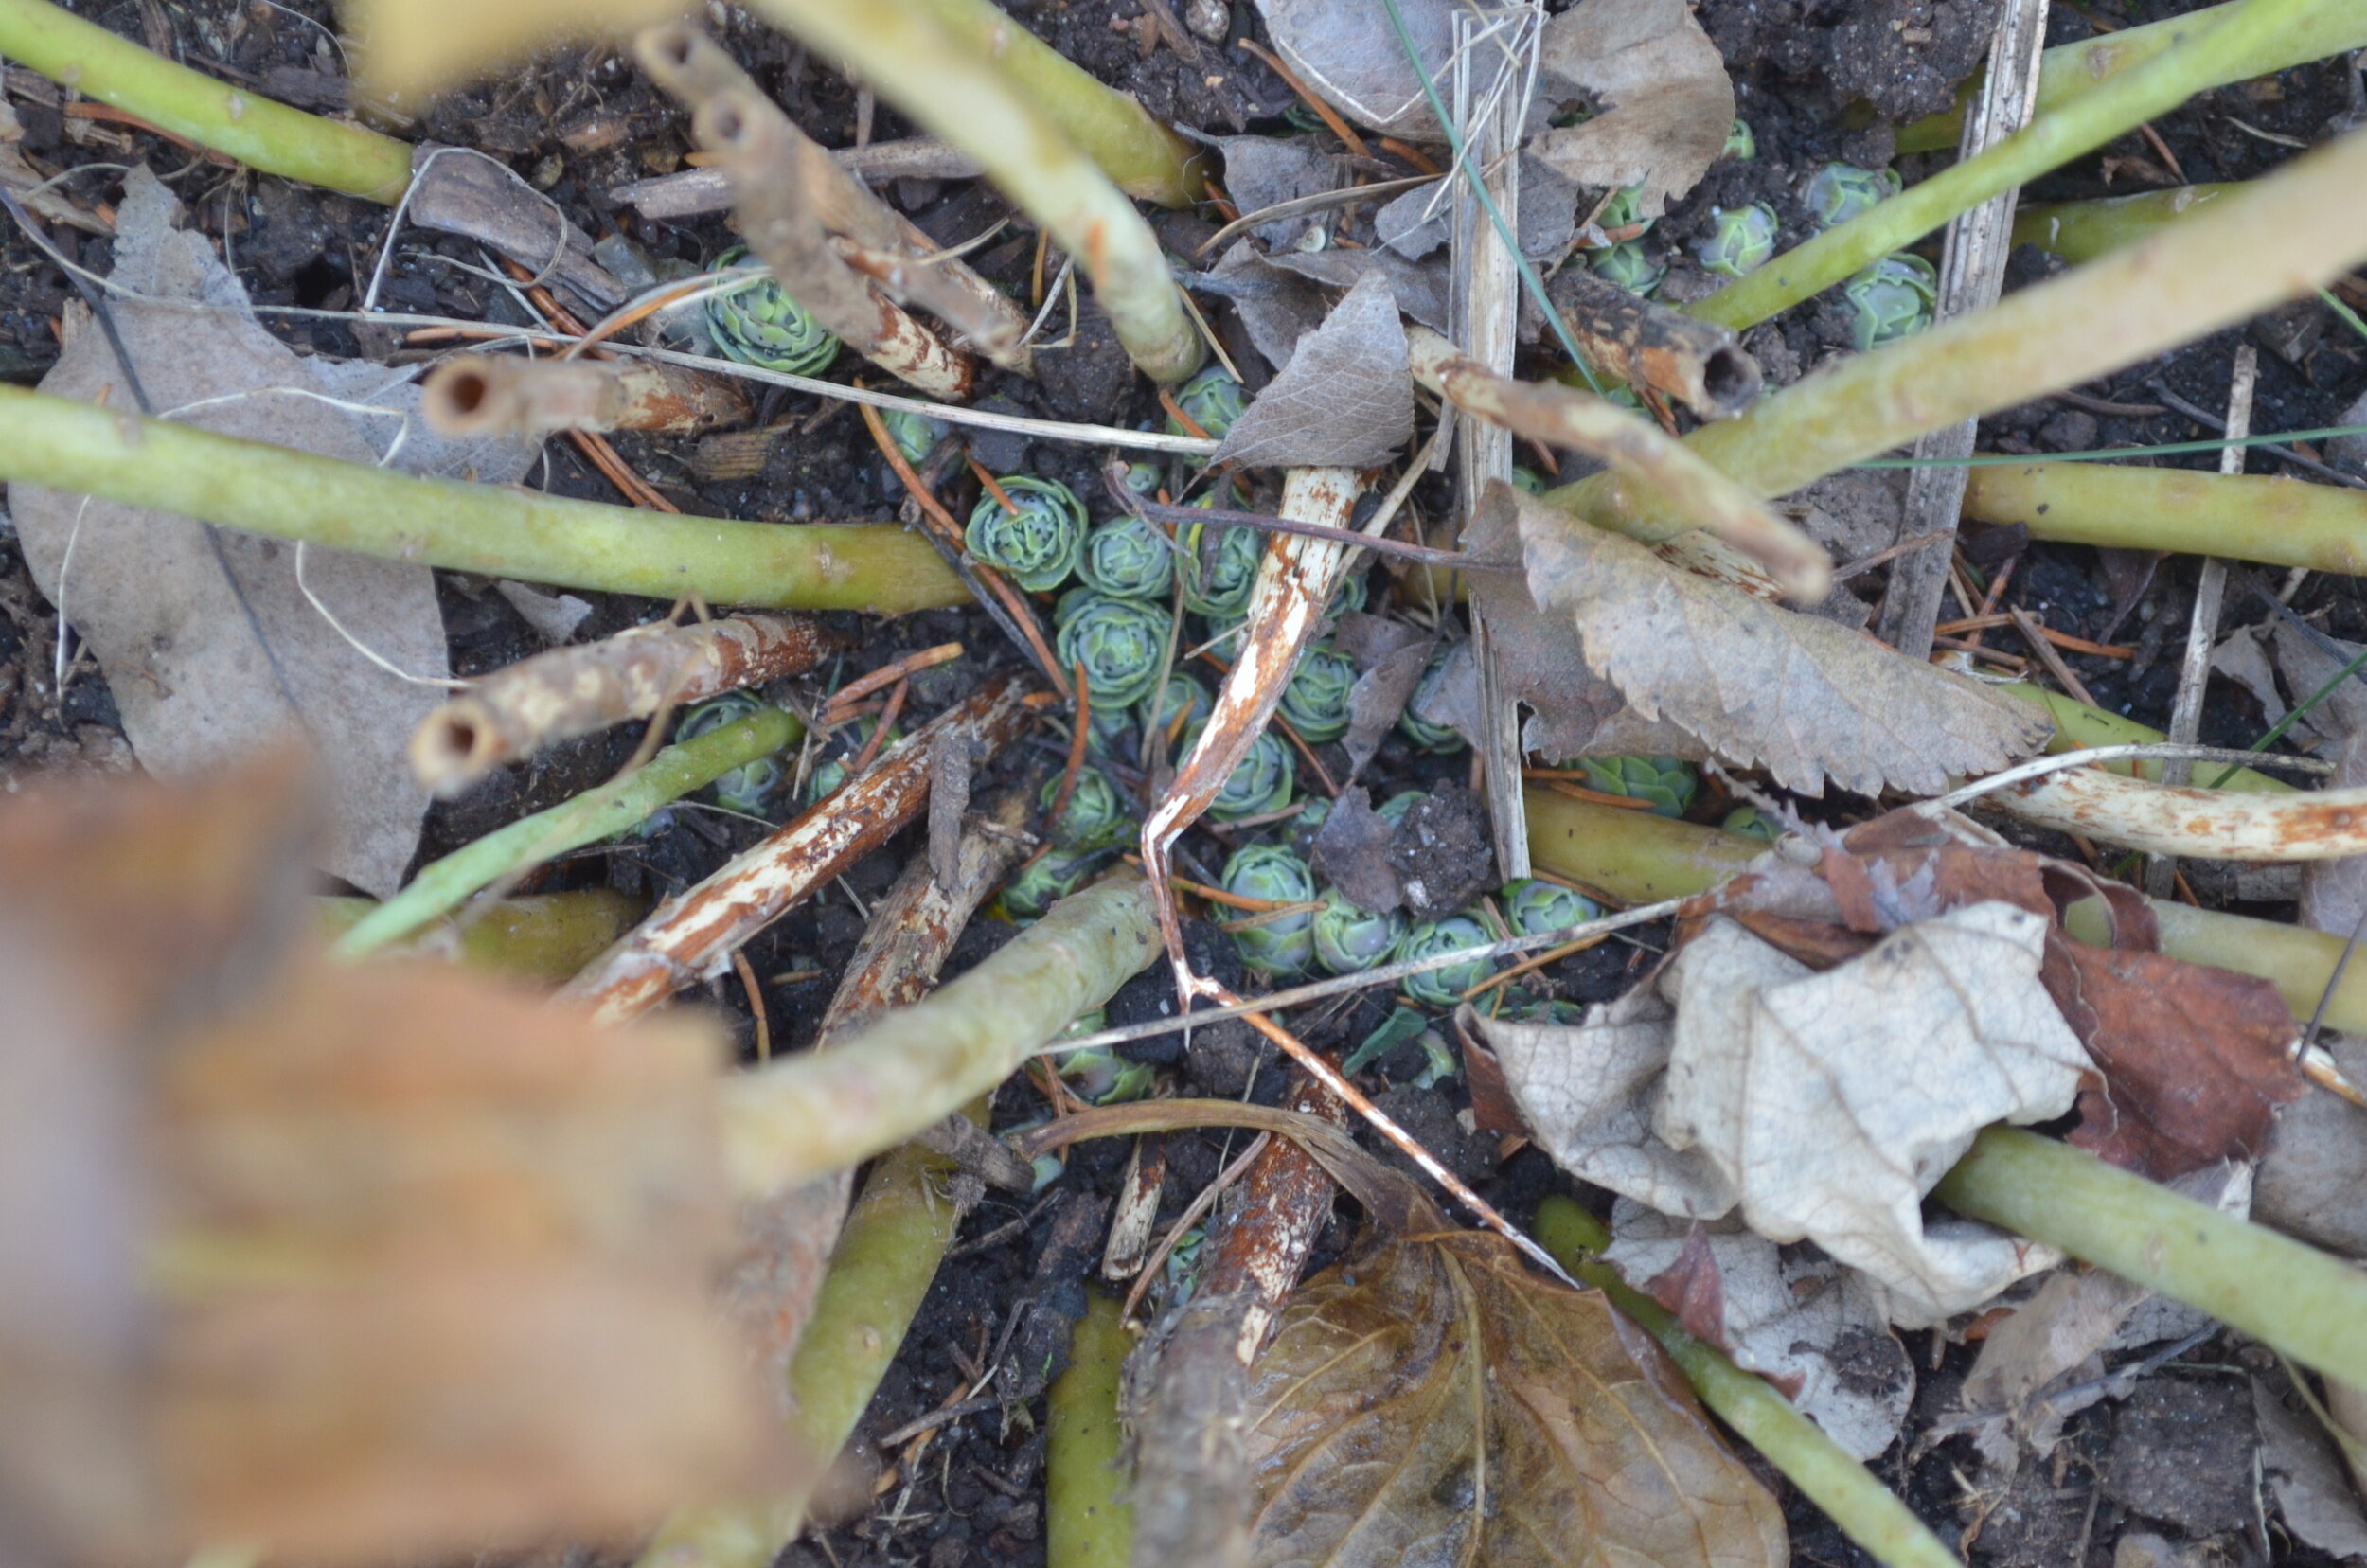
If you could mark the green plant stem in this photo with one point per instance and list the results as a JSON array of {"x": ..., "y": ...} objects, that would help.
[
  {"x": 496, "y": 531},
  {"x": 252, "y": 128},
  {"x": 1634, "y": 859},
  {"x": 1088, "y": 1521},
  {"x": 595, "y": 814},
  {"x": 887, "y": 1254},
  {"x": 1867, "y": 1511},
  {"x": 2291, "y": 1297},
  {"x": 539, "y": 936},
  {"x": 2069, "y": 71},
  {"x": 1147, "y": 160},
  {"x": 2240, "y": 516},
  {"x": 2205, "y": 272},
  {"x": 2187, "y": 66},
  {"x": 2078, "y": 726},
  {"x": 2081, "y": 231},
  {"x": 814, "y": 1113},
  {"x": 953, "y": 90}
]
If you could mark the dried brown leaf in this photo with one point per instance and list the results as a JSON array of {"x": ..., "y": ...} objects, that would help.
[
  {"x": 1351, "y": 852},
  {"x": 1261, "y": 172},
  {"x": 1437, "y": 1402},
  {"x": 1349, "y": 54},
  {"x": 1344, "y": 400},
  {"x": 1760, "y": 685},
  {"x": 2196, "y": 1061},
  {"x": 1669, "y": 105},
  {"x": 2314, "y": 1181}
]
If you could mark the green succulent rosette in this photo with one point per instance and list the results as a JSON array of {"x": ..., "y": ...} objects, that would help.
[
  {"x": 1126, "y": 558},
  {"x": 1528, "y": 479},
  {"x": 1212, "y": 398},
  {"x": 1098, "y": 1075},
  {"x": 1624, "y": 211},
  {"x": 1533, "y": 906},
  {"x": 1042, "y": 882},
  {"x": 1395, "y": 810},
  {"x": 1096, "y": 817},
  {"x": 1274, "y": 944},
  {"x": 1122, "y": 644},
  {"x": 915, "y": 435},
  {"x": 747, "y": 787},
  {"x": 1442, "y": 739},
  {"x": 1840, "y": 192},
  {"x": 757, "y": 324},
  {"x": 1036, "y": 539},
  {"x": 1316, "y": 700},
  {"x": 1183, "y": 696},
  {"x": 1891, "y": 299},
  {"x": 1629, "y": 265},
  {"x": 1444, "y": 986},
  {"x": 1752, "y": 823},
  {"x": 1741, "y": 145},
  {"x": 1353, "y": 593},
  {"x": 1740, "y": 240},
  {"x": 1260, "y": 782},
  {"x": 1349, "y": 940},
  {"x": 1668, "y": 784},
  {"x": 1220, "y": 588}
]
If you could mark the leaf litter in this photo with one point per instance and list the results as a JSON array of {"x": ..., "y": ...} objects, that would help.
[{"x": 209, "y": 642}]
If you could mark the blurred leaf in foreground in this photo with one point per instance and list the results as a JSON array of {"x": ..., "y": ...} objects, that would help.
[{"x": 1435, "y": 1401}]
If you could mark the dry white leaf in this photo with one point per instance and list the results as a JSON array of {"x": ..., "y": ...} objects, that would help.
[
  {"x": 207, "y": 640},
  {"x": 1349, "y": 52},
  {"x": 1344, "y": 400},
  {"x": 1666, "y": 104},
  {"x": 2317, "y": 1501},
  {"x": 1823, "y": 1106},
  {"x": 1790, "y": 1314},
  {"x": 1260, "y": 171},
  {"x": 1758, "y": 683}
]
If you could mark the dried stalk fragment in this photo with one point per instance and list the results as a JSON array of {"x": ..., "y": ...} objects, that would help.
[
  {"x": 1294, "y": 582},
  {"x": 872, "y": 236},
  {"x": 498, "y": 394},
  {"x": 2165, "y": 819},
  {"x": 913, "y": 58},
  {"x": 797, "y": 1118},
  {"x": 1565, "y": 417},
  {"x": 760, "y": 151},
  {"x": 2186, "y": 281},
  {"x": 2258, "y": 517},
  {"x": 694, "y": 933},
  {"x": 571, "y": 691},
  {"x": 1647, "y": 344},
  {"x": 1191, "y": 1488}
]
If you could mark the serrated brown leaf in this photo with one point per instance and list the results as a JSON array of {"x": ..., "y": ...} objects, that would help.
[
  {"x": 1435, "y": 1402},
  {"x": 1344, "y": 400},
  {"x": 1760, "y": 685}
]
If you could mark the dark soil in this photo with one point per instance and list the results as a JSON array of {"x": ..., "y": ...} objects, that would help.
[{"x": 580, "y": 123}]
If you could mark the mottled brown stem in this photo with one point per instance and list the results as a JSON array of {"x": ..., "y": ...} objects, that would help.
[
  {"x": 2166, "y": 819},
  {"x": 1563, "y": 416},
  {"x": 1648, "y": 344},
  {"x": 694, "y": 933},
  {"x": 761, "y": 150},
  {"x": 571, "y": 691},
  {"x": 1192, "y": 1474},
  {"x": 870, "y": 237},
  {"x": 500, "y": 395}
]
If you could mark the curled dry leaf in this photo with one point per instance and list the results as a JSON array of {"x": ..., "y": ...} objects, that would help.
[
  {"x": 1759, "y": 684},
  {"x": 1435, "y": 1401},
  {"x": 1825, "y": 1106},
  {"x": 1793, "y": 1315},
  {"x": 1344, "y": 400},
  {"x": 1666, "y": 105}
]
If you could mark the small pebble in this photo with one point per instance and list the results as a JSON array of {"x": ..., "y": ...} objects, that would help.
[{"x": 2070, "y": 431}]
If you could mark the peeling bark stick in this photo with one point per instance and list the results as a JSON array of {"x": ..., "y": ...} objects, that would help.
[
  {"x": 1654, "y": 345},
  {"x": 694, "y": 933},
  {"x": 497, "y": 394},
  {"x": 1191, "y": 1480},
  {"x": 1972, "y": 275},
  {"x": 1294, "y": 582},
  {"x": 2199, "y": 824},
  {"x": 570, "y": 691}
]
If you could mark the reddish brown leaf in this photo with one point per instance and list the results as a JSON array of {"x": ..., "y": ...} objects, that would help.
[
  {"x": 2196, "y": 1061},
  {"x": 1693, "y": 1289},
  {"x": 1494, "y": 1109}
]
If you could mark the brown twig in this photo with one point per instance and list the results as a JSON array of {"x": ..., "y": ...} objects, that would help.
[
  {"x": 2034, "y": 637},
  {"x": 1080, "y": 731},
  {"x": 887, "y": 675},
  {"x": 691, "y": 934},
  {"x": 1324, "y": 110},
  {"x": 572, "y": 691},
  {"x": 888, "y": 714},
  {"x": 756, "y": 1005},
  {"x": 498, "y": 394}
]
